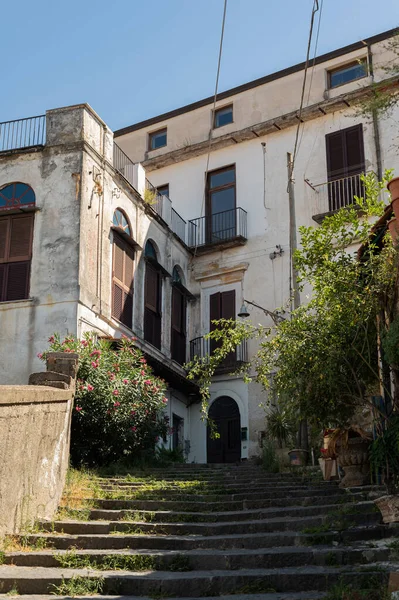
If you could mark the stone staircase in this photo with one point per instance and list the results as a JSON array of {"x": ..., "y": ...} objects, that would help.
[{"x": 194, "y": 531}]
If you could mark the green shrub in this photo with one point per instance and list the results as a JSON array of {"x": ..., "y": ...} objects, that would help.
[
  {"x": 270, "y": 461},
  {"x": 118, "y": 411}
]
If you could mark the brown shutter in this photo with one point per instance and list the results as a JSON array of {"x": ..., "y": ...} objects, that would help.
[
  {"x": 4, "y": 224},
  {"x": 214, "y": 309},
  {"x": 354, "y": 149},
  {"x": 122, "y": 281},
  {"x": 18, "y": 281},
  {"x": 21, "y": 238},
  {"x": 2, "y": 281},
  {"x": 178, "y": 325},
  {"x": 228, "y": 305},
  {"x": 335, "y": 155}
]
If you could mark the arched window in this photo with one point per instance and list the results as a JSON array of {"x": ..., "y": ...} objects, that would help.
[
  {"x": 122, "y": 271},
  {"x": 152, "y": 296},
  {"x": 178, "y": 318},
  {"x": 16, "y": 236}
]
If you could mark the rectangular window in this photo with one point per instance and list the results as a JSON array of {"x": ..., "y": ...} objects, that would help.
[
  {"x": 152, "y": 305},
  {"x": 157, "y": 139},
  {"x": 347, "y": 73},
  {"x": 345, "y": 163},
  {"x": 223, "y": 116},
  {"x": 163, "y": 190},
  {"x": 122, "y": 281},
  {"x": 16, "y": 233},
  {"x": 220, "y": 205}
]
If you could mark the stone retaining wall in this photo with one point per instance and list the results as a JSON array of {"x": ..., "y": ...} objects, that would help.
[{"x": 34, "y": 451}]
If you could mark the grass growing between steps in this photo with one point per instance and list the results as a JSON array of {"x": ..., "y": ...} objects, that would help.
[
  {"x": 344, "y": 591},
  {"x": 77, "y": 586},
  {"x": 81, "y": 487},
  {"x": 123, "y": 562}
]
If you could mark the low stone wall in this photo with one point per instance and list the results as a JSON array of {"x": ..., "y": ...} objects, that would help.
[{"x": 34, "y": 451}]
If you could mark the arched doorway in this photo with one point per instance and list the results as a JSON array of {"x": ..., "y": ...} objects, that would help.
[{"x": 225, "y": 413}]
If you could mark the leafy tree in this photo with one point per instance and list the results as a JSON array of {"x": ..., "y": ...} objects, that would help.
[
  {"x": 325, "y": 355},
  {"x": 118, "y": 410}
]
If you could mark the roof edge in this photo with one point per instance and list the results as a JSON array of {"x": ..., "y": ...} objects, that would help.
[{"x": 256, "y": 82}]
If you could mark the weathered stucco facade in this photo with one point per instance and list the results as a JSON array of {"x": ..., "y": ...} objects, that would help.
[
  {"x": 264, "y": 127},
  {"x": 80, "y": 178}
]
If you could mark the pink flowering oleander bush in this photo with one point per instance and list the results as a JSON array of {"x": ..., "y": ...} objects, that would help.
[{"x": 118, "y": 410}]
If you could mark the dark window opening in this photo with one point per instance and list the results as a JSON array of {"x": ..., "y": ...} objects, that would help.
[
  {"x": 16, "y": 233},
  {"x": 347, "y": 73},
  {"x": 221, "y": 205},
  {"x": 152, "y": 298},
  {"x": 122, "y": 281},
  {"x": 178, "y": 325},
  {"x": 163, "y": 190},
  {"x": 157, "y": 139},
  {"x": 345, "y": 164},
  {"x": 178, "y": 432},
  {"x": 223, "y": 116},
  {"x": 222, "y": 305}
]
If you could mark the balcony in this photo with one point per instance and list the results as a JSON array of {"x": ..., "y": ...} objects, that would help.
[
  {"x": 201, "y": 348},
  {"x": 333, "y": 195},
  {"x": 161, "y": 204},
  {"x": 224, "y": 230},
  {"x": 23, "y": 133}
]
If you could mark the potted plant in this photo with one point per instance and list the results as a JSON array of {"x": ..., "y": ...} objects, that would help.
[
  {"x": 282, "y": 428},
  {"x": 351, "y": 446}
]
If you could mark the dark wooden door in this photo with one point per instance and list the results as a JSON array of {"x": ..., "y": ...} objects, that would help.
[
  {"x": 178, "y": 326},
  {"x": 152, "y": 306},
  {"x": 225, "y": 415},
  {"x": 222, "y": 305}
]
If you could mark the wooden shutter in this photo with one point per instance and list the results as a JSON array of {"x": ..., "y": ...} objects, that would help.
[
  {"x": 214, "y": 309},
  {"x": 152, "y": 306},
  {"x": 354, "y": 149},
  {"x": 178, "y": 326},
  {"x": 228, "y": 305},
  {"x": 345, "y": 152},
  {"x": 16, "y": 233},
  {"x": 4, "y": 225},
  {"x": 122, "y": 281}
]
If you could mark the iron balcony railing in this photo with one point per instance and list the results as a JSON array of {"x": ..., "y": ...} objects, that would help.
[
  {"x": 202, "y": 347},
  {"x": 218, "y": 228},
  {"x": 125, "y": 166},
  {"x": 338, "y": 193},
  {"x": 160, "y": 203},
  {"x": 23, "y": 133}
]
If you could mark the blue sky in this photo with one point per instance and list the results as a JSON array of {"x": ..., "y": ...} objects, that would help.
[{"x": 133, "y": 59}]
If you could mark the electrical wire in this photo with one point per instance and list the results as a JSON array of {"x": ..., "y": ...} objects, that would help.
[
  {"x": 314, "y": 11},
  {"x": 311, "y": 76},
  {"x": 213, "y": 113}
]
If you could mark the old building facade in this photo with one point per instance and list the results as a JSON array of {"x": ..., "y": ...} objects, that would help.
[{"x": 104, "y": 250}]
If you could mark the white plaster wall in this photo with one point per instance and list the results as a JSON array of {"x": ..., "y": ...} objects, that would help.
[
  {"x": 258, "y": 104},
  {"x": 25, "y": 326}
]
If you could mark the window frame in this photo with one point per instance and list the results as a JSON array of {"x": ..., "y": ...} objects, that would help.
[
  {"x": 218, "y": 110},
  {"x": 161, "y": 189},
  {"x": 23, "y": 259},
  {"x": 353, "y": 63},
  {"x": 153, "y": 134},
  {"x": 127, "y": 290}
]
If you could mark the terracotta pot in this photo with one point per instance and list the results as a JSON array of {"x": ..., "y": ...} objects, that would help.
[
  {"x": 393, "y": 227},
  {"x": 389, "y": 507},
  {"x": 354, "y": 459},
  {"x": 393, "y": 187},
  {"x": 298, "y": 457}
]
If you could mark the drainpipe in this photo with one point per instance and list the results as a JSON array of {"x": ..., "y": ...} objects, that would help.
[{"x": 376, "y": 126}]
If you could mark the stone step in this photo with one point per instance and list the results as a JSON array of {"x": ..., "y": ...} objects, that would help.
[
  {"x": 259, "y": 513},
  {"x": 122, "y": 540},
  {"x": 211, "y": 528},
  {"x": 267, "y": 596},
  {"x": 340, "y": 497},
  {"x": 40, "y": 580},
  {"x": 203, "y": 560}
]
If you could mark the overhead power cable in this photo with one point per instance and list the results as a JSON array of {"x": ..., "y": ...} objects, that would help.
[
  {"x": 312, "y": 19},
  {"x": 213, "y": 112}
]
